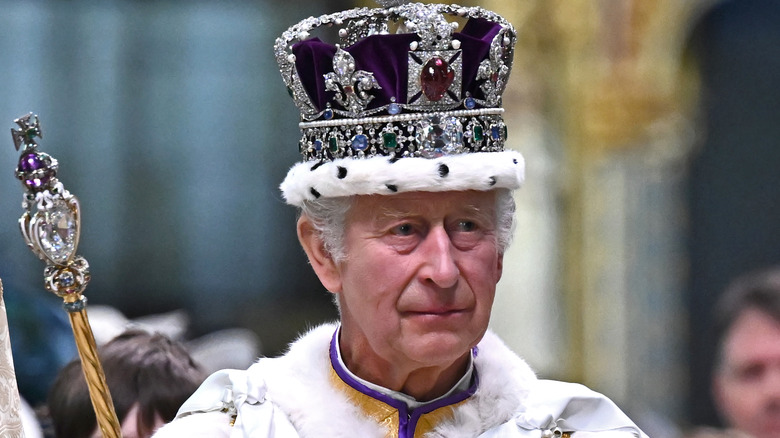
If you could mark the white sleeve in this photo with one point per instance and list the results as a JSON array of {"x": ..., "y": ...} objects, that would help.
[
  {"x": 202, "y": 425},
  {"x": 227, "y": 395},
  {"x": 575, "y": 408}
]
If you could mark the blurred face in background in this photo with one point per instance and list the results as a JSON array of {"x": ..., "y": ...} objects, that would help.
[
  {"x": 747, "y": 381},
  {"x": 132, "y": 427}
]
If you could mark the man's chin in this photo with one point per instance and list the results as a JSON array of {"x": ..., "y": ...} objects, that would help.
[{"x": 443, "y": 346}]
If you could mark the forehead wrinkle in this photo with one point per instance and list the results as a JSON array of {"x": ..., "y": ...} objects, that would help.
[
  {"x": 394, "y": 213},
  {"x": 378, "y": 208}
]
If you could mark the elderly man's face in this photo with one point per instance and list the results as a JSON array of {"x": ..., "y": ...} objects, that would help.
[
  {"x": 747, "y": 386},
  {"x": 419, "y": 280}
]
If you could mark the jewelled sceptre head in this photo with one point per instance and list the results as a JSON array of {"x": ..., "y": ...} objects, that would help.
[{"x": 50, "y": 226}]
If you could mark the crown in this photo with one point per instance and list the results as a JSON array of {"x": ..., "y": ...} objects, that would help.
[{"x": 427, "y": 94}]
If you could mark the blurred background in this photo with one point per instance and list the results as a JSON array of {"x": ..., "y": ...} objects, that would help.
[{"x": 650, "y": 129}]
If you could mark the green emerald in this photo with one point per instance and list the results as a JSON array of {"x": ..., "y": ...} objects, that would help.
[
  {"x": 334, "y": 144},
  {"x": 390, "y": 140},
  {"x": 479, "y": 134}
]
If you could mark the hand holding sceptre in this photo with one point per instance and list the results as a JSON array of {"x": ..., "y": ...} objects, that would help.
[{"x": 50, "y": 226}]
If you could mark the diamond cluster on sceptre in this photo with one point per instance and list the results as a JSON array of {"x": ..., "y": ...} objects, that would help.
[{"x": 51, "y": 221}]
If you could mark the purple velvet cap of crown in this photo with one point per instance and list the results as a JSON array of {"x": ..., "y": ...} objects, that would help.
[{"x": 386, "y": 56}]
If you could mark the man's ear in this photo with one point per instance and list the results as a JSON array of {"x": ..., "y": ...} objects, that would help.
[
  {"x": 320, "y": 259},
  {"x": 499, "y": 267}
]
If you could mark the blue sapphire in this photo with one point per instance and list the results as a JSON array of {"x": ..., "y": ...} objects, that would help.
[
  {"x": 317, "y": 145},
  {"x": 359, "y": 142},
  {"x": 328, "y": 114},
  {"x": 394, "y": 108},
  {"x": 470, "y": 103},
  {"x": 495, "y": 132}
]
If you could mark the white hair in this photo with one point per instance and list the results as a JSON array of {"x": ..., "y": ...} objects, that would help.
[{"x": 329, "y": 216}]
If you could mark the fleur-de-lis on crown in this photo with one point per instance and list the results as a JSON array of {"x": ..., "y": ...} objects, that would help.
[
  {"x": 495, "y": 69},
  {"x": 350, "y": 86}
]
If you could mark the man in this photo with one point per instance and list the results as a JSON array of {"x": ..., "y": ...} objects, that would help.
[
  {"x": 406, "y": 211},
  {"x": 746, "y": 381}
]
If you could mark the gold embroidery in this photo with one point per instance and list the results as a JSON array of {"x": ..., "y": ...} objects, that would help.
[
  {"x": 382, "y": 413},
  {"x": 387, "y": 416}
]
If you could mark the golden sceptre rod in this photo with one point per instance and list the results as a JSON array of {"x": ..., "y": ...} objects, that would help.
[{"x": 51, "y": 225}]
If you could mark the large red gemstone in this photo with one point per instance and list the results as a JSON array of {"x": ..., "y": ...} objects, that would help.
[{"x": 436, "y": 78}]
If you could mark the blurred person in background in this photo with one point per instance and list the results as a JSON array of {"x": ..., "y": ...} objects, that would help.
[
  {"x": 149, "y": 377},
  {"x": 746, "y": 379}
]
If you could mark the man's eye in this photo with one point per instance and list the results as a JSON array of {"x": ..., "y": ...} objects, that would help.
[
  {"x": 467, "y": 226},
  {"x": 403, "y": 229},
  {"x": 750, "y": 372}
]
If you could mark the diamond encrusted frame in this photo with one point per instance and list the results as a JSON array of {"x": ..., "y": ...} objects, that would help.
[
  {"x": 351, "y": 30},
  {"x": 416, "y": 99}
]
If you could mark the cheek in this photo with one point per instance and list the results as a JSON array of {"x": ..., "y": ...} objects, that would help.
[
  {"x": 739, "y": 398},
  {"x": 483, "y": 268},
  {"x": 369, "y": 286}
]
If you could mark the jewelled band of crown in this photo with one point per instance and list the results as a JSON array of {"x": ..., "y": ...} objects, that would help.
[
  {"x": 51, "y": 221},
  {"x": 388, "y": 96},
  {"x": 406, "y": 135}
]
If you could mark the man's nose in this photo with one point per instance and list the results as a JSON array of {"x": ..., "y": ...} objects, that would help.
[{"x": 440, "y": 266}]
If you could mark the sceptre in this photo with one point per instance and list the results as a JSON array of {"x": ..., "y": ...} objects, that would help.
[{"x": 50, "y": 226}]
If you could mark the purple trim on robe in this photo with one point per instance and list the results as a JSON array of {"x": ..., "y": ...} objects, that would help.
[
  {"x": 407, "y": 421},
  {"x": 386, "y": 56}
]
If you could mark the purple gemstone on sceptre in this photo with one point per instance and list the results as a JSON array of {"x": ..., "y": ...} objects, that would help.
[
  {"x": 36, "y": 183},
  {"x": 30, "y": 162}
]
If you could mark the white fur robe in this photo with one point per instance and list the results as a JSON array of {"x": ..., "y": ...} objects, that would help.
[{"x": 291, "y": 397}]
